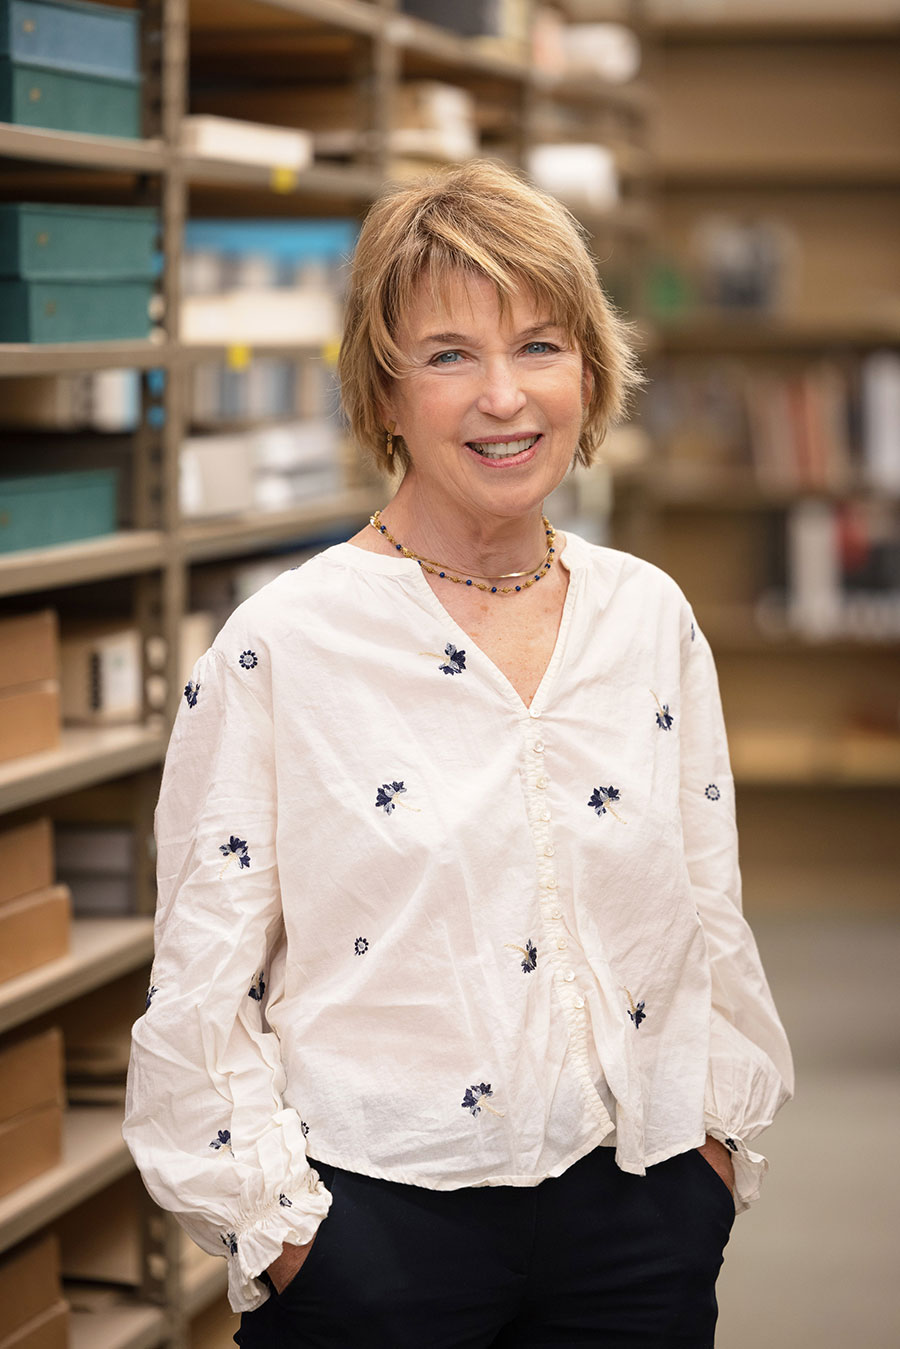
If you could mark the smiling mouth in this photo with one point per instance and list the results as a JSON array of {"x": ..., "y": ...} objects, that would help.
[{"x": 493, "y": 450}]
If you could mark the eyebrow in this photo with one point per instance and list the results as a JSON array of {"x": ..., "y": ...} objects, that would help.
[{"x": 451, "y": 339}]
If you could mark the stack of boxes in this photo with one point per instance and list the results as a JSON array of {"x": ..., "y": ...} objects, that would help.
[
  {"x": 33, "y": 1314},
  {"x": 35, "y": 914},
  {"x": 70, "y": 67},
  {"x": 31, "y": 1107},
  {"x": 29, "y": 684}
]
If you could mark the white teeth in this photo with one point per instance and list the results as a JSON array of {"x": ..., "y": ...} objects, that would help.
[{"x": 503, "y": 451}]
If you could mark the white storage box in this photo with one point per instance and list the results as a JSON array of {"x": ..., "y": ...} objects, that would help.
[
  {"x": 247, "y": 142},
  {"x": 100, "y": 671},
  {"x": 581, "y": 174},
  {"x": 217, "y": 475}
]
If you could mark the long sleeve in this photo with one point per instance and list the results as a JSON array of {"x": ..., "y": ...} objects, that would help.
[
  {"x": 750, "y": 1074},
  {"x": 205, "y": 1120}
]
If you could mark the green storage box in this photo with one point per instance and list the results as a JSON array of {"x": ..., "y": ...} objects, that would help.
[
  {"x": 58, "y": 100},
  {"x": 38, "y": 512},
  {"x": 78, "y": 243},
  {"x": 74, "y": 311},
  {"x": 70, "y": 35}
]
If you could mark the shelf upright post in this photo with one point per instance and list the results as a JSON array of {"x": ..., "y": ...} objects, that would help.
[{"x": 380, "y": 83}]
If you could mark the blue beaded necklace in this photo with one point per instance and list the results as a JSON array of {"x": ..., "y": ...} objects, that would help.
[{"x": 445, "y": 574}]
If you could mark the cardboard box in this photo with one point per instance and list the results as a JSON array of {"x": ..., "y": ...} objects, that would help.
[
  {"x": 101, "y": 1239},
  {"x": 30, "y": 1144},
  {"x": 49, "y": 1330},
  {"x": 101, "y": 672},
  {"x": 29, "y": 649},
  {"x": 29, "y": 720},
  {"x": 34, "y": 929},
  {"x": 27, "y": 852},
  {"x": 31, "y": 1073},
  {"x": 29, "y": 1282}
]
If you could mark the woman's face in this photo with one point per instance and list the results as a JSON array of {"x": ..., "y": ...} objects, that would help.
[{"x": 492, "y": 409}]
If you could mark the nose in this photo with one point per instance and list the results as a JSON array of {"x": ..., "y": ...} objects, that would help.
[{"x": 501, "y": 394}]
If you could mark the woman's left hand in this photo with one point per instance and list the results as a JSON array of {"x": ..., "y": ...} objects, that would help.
[{"x": 719, "y": 1159}]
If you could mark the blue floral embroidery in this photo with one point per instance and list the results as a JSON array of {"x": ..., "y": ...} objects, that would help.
[
  {"x": 475, "y": 1096},
  {"x": 360, "y": 946},
  {"x": 257, "y": 990},
  {"x": 190, "y": 692},
  {"x": 664, "y": 719},
  {"x": 247, "y": 660},
  {"x": 284, "y": 1201},
  {"x": 304, "y": 1128},
  {"x": 712, "y": 792},
  {"x": 693, "y": 632},
  {"x": 229, "y": 1239},
  {"x": 235, "y": 847},
  {"x": 730, "y": 1143},
  {"x": 529, "y": 951},
  {"x": 601, "y": 798},
  {"x": 455, "y": 662},
  {"x": 222, "y": 1140},
  {"x": 386, "y": 793},
  {"x": 150, "y": 991},
  {"x": 636, "y": 1013}
]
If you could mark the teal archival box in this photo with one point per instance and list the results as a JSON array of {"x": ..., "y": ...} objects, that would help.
[
  {"x": 78, "y": 243},
  {"x": 74, "y": 311},
  {"x": 72, "y": 36},
  {"x": 60, "y": 100},
  {"x": 52, "y": 508}
]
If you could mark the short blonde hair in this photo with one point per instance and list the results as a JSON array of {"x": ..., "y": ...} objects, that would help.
[{"x": 482, "y": 219}]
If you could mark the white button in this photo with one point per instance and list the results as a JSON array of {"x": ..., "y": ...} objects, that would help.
[
  {"x": 545, "y": 815},
  {"x": 556, "y": 913},
  {"x": 551, "y": 884},
  {"x": 532, "y": 713},
  {"x": 541, "y": 782},
  {"x": 561, "y": 944},
  {"x": 579, "y": 1002},
  {"x": 549, "y": 850},
  {"x": 538, "y": 746},
  {"x": 569, "y": 976}
]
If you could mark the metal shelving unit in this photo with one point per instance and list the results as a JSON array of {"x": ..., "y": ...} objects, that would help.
[{"x": 154, "y": 557}]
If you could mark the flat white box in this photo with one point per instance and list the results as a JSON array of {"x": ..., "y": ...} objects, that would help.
[
  {"x": 247, "y": 142},
  {"x": 217, "y": 475}
]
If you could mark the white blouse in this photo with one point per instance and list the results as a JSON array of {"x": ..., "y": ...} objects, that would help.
[{"x": 421, "y": 931}]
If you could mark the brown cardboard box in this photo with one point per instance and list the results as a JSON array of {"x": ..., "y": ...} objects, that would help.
[
  {"x": 101, "y": 1239},
  {"x": 29, "y": 1283},
  {"x": 27, "y": 852},
  {"x": 34, "y": 929},
  {"x": 29, "y": 719},
  {"x": 49, "y": 1330},
  {"x": 29, "y": 649},
  {"x": 29, "y": 1145},
  {"x": 31, "y": 1073}
]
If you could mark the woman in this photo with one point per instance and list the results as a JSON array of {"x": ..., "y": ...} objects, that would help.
[{"x": 456, "y": 1034}]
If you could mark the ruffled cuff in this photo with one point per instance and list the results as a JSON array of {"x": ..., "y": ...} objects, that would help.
[
  {"x": 259, "y": 1240},
  {"x": 749, "y": 1167}
]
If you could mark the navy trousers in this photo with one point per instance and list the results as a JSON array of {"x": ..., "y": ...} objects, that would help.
[{"x": 593, "y": 1257}]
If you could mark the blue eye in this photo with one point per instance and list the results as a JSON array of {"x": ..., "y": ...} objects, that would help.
[
  {"x": 546, "y": 346},
  {"x": 446, "y": 358}
]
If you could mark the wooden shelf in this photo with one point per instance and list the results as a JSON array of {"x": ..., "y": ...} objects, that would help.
[
  {"x": 84, "y": 756},
  {"x": 751, "y": 333},
  {"x": 94, "y": 152},
  {"x": 207, "y": 540},
  {"x": 118, "y": 1328},
  {"x": 94, "y": 1155},
  {"x": 124, "y": 554},
  {"x": 730, "y": 27},
  {"x": 784, "y": 758},
  {"x": 101, "y": 950},
  {"x": 444, "y": 48},
  {"x": 55, "y": 359},
  {"x": 320, "y": 180},
  {"x": 800, "y": 176},
  {"x": 699, "y": 486}
]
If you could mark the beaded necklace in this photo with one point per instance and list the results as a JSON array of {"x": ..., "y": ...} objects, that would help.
[{"x": 436, "y": 569}]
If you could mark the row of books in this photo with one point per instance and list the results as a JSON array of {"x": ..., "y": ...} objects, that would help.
[{"x": 831, "y": 426}]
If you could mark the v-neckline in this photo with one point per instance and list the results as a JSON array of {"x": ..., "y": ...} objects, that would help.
[{"x": 541, "y": 695}]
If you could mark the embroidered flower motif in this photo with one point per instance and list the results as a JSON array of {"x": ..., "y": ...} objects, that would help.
[
  {"x": 247, "y": 660},
  {"x": 190, "y": 692},
  {"x": 474, "y": 1099},
  {"x": 284, "y": 1201},
  {"x": 693, "y": 632},
  {"x": 386, "y": 797},
  {"x": 304, "y": 1128},
  {"x": 730, "y": 1143},
  {"x": 150, "y": 991},
  {"x": 636, "y": 1013},
  {"x": 712, "y": 792},
  {"x": 229, "y": 1240},
  {"x": 360, "y": 946},
  {"x": 600, "y": 801},
  {"x": 257, "y": 990},
  {"x": 455, "y": 662},
  {"x": 664, "y": 719},
  {"x": 529, "y": 951},
  {"x": 235, "y": 848},
  {"x": 222, "y": 1142}
]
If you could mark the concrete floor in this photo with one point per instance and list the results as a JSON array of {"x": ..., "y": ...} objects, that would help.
[{"x": 814, "y": 1265}]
